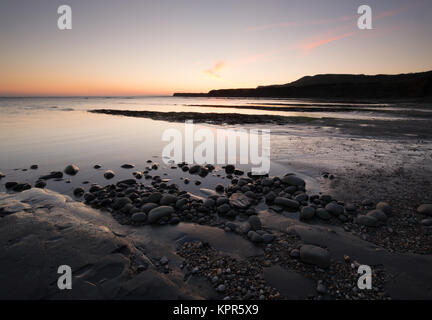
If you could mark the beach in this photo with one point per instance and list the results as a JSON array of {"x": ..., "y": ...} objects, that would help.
[{"x": 84, "y": 182}]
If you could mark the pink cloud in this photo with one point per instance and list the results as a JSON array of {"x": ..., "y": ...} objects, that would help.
[
  {"x": 214, "y": 71},
  {"x": 309, "y": 45}
]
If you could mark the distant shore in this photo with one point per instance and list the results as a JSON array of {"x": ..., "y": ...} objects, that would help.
[{"x": 401, "y": 86}]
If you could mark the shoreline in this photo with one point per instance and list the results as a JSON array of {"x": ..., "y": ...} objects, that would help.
[{"x": 373, "y": 127}]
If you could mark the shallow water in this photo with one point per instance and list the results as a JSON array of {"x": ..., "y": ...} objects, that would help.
[{"x": 55, "y": 132}]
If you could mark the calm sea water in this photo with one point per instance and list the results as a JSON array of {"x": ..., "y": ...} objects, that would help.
[{"x": 55, "y": 132}]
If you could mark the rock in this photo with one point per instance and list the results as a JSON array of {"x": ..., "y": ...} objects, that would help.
[
  {"x": 271, "y": 196},
  {"x": 220, "y": 288},
  {"x": 138, "y": 174},
  {"x": 295, "y": 253},
  {"x": 377, "y": 214},
  {"x": 181, "y": 203},
  {"x": 229, "y": 169},
  {"x": 209, "y": 203},
  {"x": 367, "y": 203},
  {"x": 164, "y": 260},
  {"x": 326, "y": 198},
  {"x": 174, "y": 220},
  {"x": 194, "y": 169},
  {"x": 158, "y": 213},
  {"x": 293, "y": 180},
  {"x": 350, "y": 207},
  {"x": 127, "y": 181},
  {"x": 315, "y": 255},
  {"x": 121, "y": 202},
  {"x": 384, "y": 207},
  {"x": 287, "y": 203},
  {"x": 168, "y": 199},
  {"x": 368, "y": 221},
  {"x": 255, "y": 223},
  {"x": 334, "y": 208},
  {"x": 71, "y": 170},
  {"x": 426, "y": 222},
  {"x": 33, "y": 167},
  {"x": 52, "y": 175},
  {"x": 323, "y": 214},
  {"x": 11, "y": 184},
  {"x": 127, "y": 166},
  {"x": 220, "y": 188},
  {"x": 155, "y": 197},
  {"x": 250, "y": 194},
  {"x": 267, "y": 182},
  {"x": 301, "y": 197},
  {"x": 224, "y": 208},
  {"x": 239, "y": 201},
  {"x": 139, "y": 217},
  {"x": 40, "y": 184},
  {"x": 203, "y": 172},
  {"x": 21, "y": 187},
  {"x": 221, "y": 200},
  {"x": 425, "y": 209},
  {"x": 95, "y": 188},
  {"x": 307, "y": 213},
  {"x": 148, "y": 206},
  {"x": 267, "y": 237},
  {"x": 321, "y": 289},
  {"x": 254, "y": 237},
  {"x": 109, "y": 174},
  {"x": 78, "y": 192}
]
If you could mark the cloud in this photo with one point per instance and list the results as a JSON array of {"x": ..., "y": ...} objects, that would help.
[
  {"x": 214, "y": 71},
  {"x": 312, "y": 44}
]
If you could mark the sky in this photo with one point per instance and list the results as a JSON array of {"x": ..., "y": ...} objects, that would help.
[{"x": 158, "y": 47}]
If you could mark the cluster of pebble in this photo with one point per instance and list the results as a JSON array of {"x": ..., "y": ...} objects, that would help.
[{"x": 233, "y": 279}]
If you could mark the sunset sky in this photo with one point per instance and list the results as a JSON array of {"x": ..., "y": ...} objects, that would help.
[{"x": 139, "y": 47}]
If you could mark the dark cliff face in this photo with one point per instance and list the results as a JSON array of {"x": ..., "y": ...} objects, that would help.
[{"x": 412, "y": 85}]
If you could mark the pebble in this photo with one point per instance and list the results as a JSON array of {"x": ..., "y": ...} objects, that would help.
[
  {"x": 384, "y": 207},
  {"x": 255, "y": 223},
  {"x": 109, "y": 174},
  {"x": 367, "y": 221},
  {"x": 158, "y": 213},
  {"x": 71, "y": 170},
  {"x": 334, "y": 208},
  {"x": 139, "y": 217},
  {"x": 78, "y": 192},
  {"x": 287, "y": 203},
  {"x": 307, "y": 213},
  {"x": 425, "y": 209}
]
